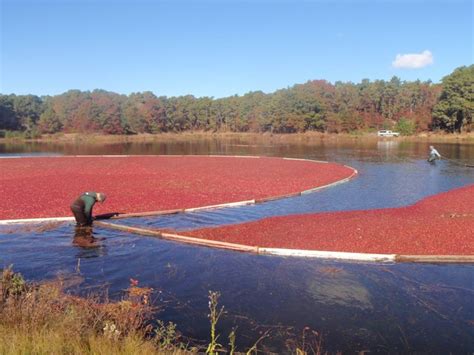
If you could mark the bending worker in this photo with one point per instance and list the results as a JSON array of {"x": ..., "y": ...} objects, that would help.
[
  {"x": 434, "y": 154},
  {"x": 82, "y": 207}
]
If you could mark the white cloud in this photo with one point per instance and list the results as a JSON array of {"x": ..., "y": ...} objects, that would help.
[{"x": 413, "y": 61}]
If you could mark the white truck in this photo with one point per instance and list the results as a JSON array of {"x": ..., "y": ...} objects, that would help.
[{"x": 387, "y": 133}]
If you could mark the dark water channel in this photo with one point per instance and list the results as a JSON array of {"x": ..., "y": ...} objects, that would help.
[{"x": 383, "y": 308}]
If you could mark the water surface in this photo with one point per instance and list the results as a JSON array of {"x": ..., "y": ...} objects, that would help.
[{"x": 356, "y": 306}]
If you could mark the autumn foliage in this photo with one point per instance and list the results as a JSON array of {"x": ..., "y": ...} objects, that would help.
[{"x": 316, "y": 105}]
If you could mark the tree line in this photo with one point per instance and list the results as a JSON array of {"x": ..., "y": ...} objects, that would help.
[{"x": 313, "y": 106}]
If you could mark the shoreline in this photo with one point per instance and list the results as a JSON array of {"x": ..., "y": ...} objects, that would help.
[{"x": 70, "y": 138}]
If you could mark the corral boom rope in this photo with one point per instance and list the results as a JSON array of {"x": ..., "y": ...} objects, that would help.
[
  {"x": 316, "y": 254},
  {"x": 457, "y": 162},
  {"x": 254, "y": 249}
]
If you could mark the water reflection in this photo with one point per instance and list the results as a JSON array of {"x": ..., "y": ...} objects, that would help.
[
  {"x": 329, "y": 148},
  {"x": 87, "y": 244},
  {"x": 344, "y": 291}
]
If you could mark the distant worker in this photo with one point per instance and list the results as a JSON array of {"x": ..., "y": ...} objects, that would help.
[
  {"x": 82, "y": 207},
  {"x": 434, "y": 154}
]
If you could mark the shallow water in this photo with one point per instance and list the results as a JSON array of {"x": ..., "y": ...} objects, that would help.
[{"x": 355, "y": 306}]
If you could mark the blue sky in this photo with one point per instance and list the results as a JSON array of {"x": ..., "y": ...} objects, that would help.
[{"x": 222, "y": 48}]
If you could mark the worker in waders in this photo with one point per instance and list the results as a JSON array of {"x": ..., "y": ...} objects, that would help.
[
  {"x": 82, "y": 207},
  {"x": 434, "y": 155}
]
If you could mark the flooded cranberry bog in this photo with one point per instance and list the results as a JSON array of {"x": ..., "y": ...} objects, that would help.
[
  {"x": 436, "y": 227},
  {"x": 154, "y": 183},
  {"x": 398, "y": 307}
]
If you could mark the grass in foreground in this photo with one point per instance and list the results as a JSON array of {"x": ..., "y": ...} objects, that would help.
[{"x": 43, "y": 319}]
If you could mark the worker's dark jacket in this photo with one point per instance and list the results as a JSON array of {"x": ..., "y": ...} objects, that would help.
[{"x": 82, "y": 208}]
